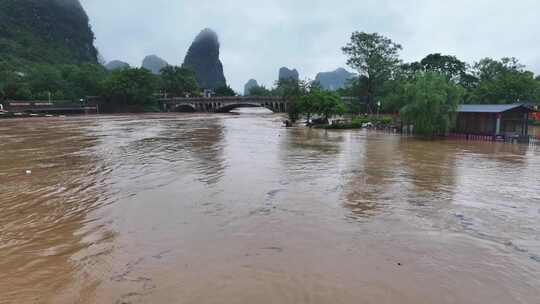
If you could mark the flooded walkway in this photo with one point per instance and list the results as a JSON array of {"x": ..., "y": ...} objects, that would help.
[{"x": 236, "y": 209}]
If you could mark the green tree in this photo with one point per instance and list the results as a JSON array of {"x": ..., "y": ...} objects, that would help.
[
  {"x": 83, "y": 80},
  {"x": 537, "y": 94},
  {"x": 225, "y": 91},
  {"x": 449, "y": 66},
  {"x": 502, "y": 81},
  {"x": 7, "y": 77},
  {"x": 376, "y": 58},
  {"x": 326, "y": 103},
  {"x": 178, "y": 81},
  {"x": 410, "y": 70},
  {"x": 13, "y": 84},
  {"x": 130, "y": 88},
  {"x": 356, "y": 88},
  {"x": 259, "y": 91},
  {"x": 431, "y": 104},
  {"x": 46, "y": 80},
  {"x": 292, "y": 90},
  {"x": 307, "y": 105}
]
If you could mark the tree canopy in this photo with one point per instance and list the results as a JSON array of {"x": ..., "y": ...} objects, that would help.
[
  {"x": 130, "y": 88},
  {"x": 292, "y": 90},
  {"x": 59, "y": 82},
  {"x": 502, "y": 81},
  {"x": 449, "y": 66},
  {"x": 430, "y": 103},
  {"x": 259, "y": 90},
  {"x": 225, "y": 91},
  {"x": 324, "y": 103},
  {"x": 178, "y": 81},
  {"x": 375, "y": 57}
]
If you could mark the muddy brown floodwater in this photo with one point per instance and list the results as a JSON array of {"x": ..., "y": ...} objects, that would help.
[{"x": 185, "y": 208}]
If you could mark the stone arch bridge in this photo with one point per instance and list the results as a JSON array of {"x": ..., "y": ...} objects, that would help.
[{"x": 222, "y": 104}]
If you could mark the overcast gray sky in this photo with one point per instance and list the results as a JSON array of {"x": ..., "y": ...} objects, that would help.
[{"x": 259, "y": 36}]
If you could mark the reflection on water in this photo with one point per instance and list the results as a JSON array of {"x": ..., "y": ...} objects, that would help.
[
  {"x": 235, "y": 208},
  {"x": 534, "y": 131}
]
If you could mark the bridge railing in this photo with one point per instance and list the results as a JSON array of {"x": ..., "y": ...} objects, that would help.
[{"x": 224, "y": 99}]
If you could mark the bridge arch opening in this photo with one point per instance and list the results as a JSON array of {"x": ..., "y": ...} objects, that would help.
[
  {"x": 185, "y": 109},
  {"x": 231, "y": 107}
]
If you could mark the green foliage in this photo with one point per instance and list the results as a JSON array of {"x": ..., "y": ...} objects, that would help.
[
  {"x": 19, "y": 92},
  {"x": 58, "y": 82},
  {"x": 504, "y": 81},
  {"x": 130, "y": 88},
  {"x": 320, "y": 102},
  {"x": 83, "y": 80},
  {"x": 178, "y": 81},
  {"x": 409, "y": 70},
  {"x": 45, "y": 80},
  {"x": 375, "y": 57},
  {"x": 7, "y": 78},
  {"x": 225, "y": 91},
  {"x": 259, "y": 91},
  {"x": 449, "y": 66},
  {"x": 486, "y": 82},
  {"x": 431, "y": 102},
  {"x": 44, "y": 31},
  {"x": 292, "y": 90},
  {"x": 537, "y": 93}
]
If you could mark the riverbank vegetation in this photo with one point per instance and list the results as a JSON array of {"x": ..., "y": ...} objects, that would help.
[
  {"x": 121, "y": 90},
  {"x": 430, "y": 103},
  {"x": 130, "y": 89},
  {"x": 425, "y": 92}
]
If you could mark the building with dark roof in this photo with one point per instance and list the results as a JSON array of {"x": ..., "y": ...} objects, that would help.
[{"x": 497, "y": 120}]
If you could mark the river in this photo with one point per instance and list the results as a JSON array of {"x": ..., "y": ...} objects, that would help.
[{"x": 189, "y": 208}]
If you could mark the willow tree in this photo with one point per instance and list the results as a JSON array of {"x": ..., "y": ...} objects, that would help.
[
  {"x": 375, "y": 57},
  {"x": 431, "y": 104}
]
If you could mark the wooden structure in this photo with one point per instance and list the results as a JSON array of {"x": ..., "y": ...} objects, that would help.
[{"x": 498, "y": 121}]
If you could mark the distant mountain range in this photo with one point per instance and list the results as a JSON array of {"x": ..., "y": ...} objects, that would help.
[
  {"x": 334, "y": 80},
  {"x": 286, "y": 73},
  {"x": 252, "y": 83},
  {"x": 117, "y": 65},
  {"x": 154, "y": 64}
]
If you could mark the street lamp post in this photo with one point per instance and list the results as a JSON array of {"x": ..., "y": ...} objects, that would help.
[{"x": 378, "y": 108}]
